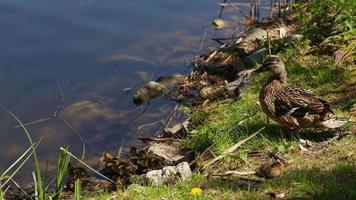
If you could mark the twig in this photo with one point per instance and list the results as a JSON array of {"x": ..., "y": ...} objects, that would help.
[
  {"x": 203, "y": 38},
  {"x": 127, "y": 90},
  {"x": 157, "y": 139},
  {"x": 33, "y": 122},
  {"x": 61, "y": 90},
  {"x": 269, "y": 43},
  {"x": 149, "y": 124},
  {"x": 80, "y": 137},
  {"x": 271, "y": 9},
  {"x": 241, "y": 121},
  {"x": 222, "y": 8},
  {"x": 86, "y": 165},
  {"x": 206, "y": 150},
  {"x": 227, "y": 59},
  {"x": 231, "y": 149},
  {"x": 217, "y": 41},
  {"x": 211, "y": 56},
  {"x": 227, "y": 173},
  {"x": 238, "y": 9}
]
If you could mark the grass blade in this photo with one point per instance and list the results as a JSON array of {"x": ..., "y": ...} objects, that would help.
[
  {"x": 62, "y": 171},
  {"x": 41, "y": 186},
  {"x": 77, "y": 189},
  {"x": 17, "y": 169}
]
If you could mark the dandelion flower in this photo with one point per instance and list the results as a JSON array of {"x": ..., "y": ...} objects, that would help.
[{"x": 196, "y": 191}]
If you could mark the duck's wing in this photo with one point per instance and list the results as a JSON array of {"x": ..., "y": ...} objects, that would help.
[{"x": 297, "y": 102}]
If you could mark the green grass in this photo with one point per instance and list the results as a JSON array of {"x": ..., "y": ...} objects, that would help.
[{"x": 40, "y": 178}]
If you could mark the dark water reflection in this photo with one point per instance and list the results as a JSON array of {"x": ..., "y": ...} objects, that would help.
[{"x": 90, "y": 51}]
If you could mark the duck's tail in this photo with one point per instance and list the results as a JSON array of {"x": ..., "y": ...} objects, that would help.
[{"x": 333, "y": 123}]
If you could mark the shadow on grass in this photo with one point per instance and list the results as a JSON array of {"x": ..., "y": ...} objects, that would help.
[{"x": 339, "y": 183}]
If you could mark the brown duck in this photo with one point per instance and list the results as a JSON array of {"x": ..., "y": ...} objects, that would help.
[{"x": 291, "y": 106}]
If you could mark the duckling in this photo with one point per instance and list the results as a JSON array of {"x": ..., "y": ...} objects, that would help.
[
  {"x": 78, "y": 172},
  {"x": 145, "y": 161},
  {"x": 291, "y": 106},
  {"x": 271, "y": 169},
  {"x": 117, "y": 166}
]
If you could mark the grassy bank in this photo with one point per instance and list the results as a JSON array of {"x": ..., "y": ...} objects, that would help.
[
  {"x": 327, "y": 171},
  {"x": 322, "y": 62}
]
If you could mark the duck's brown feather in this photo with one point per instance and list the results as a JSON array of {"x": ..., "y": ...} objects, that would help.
[{"x": 293, "y": 106}]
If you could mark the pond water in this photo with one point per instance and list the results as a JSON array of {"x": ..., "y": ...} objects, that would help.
[{"x": 73, "y": 58}]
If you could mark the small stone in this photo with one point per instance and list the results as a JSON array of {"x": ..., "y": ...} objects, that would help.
[
  {"x": 293, "y": 37},
  {"x": 151, "y": 90},
  {"x": 155, "y": 177},
  {"x": 184, "y": 171},
  {"x": 219, "y": 23},
  {"x": 256, "y": 57},
  {"x": 177, "y": 131}
]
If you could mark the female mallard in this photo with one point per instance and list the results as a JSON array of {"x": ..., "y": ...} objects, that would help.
[{"x": 291, "y": 106}]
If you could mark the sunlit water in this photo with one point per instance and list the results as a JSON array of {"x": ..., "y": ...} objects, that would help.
[{"x": 79, "y": 56}]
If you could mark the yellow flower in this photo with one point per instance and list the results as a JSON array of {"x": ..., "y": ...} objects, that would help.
[{"x": 196, "y": 191}]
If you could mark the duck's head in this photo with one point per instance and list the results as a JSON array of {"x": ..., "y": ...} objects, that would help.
[{"x": 274, "y": 65}]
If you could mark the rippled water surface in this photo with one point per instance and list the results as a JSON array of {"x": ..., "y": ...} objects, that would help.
[{"x": 72, "y": 59}]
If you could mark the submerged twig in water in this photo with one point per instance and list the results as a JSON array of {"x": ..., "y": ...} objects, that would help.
[
  {"x": 33, "y": 122},
  {"x": 80, "y": 137},
  {"x": 130, "y": 89}
]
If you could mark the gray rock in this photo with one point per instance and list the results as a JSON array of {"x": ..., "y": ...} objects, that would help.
[
  {"x": 155, "y": 177},
  {"x": 293, "y": 37},
  {"x": 170, "y": 173},
  {"x": 243, "y": 77},
  {"x": 151, "y": 90},
  {"x": 257, "y": 34},
  {"x": 256, "y": 57},
  {"x": 184, "y": 170}
]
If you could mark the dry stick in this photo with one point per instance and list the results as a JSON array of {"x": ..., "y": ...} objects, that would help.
[
  {"x": 227, "y": 59},
  {"x": 227, "y": 173},
  {"x": 157, "y": 139},
  {"x": 18, "y": 186},
  {"x": 270, "y": 9},
  {"x": 258, "y": 9},
  {"x": 86, "y": 165},
  {"x": 206, "y": 150},
  {"x": 232, "y": 148},
  {"x": 269, "y": 44},
  {"x": 61, "y": 90},
  {"x": 33, "y": 122},
  {"x": 218, "y": 41},
  {"x": 222, "y": 9},
  {"x": 203, "y": 38},
  {"x": 211, "y": 56},
  {"x": 238, "y": 9},
  {"x": 80, "y": 137},
  {"x": 127, "y": 90},
  {"x": 172, "y": 116},
  {"x": 241, "y": 121}
]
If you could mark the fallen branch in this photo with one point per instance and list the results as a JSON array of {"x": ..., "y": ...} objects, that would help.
[
  {"x": 237, "y": 173},
  {"x": 231, "y": 149}
]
